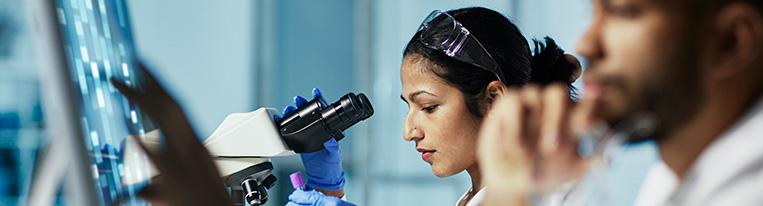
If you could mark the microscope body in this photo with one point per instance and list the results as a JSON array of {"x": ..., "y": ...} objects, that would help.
[
  {"x": 240, "y": 142},
  {"x": 243, "y": 143},
  {"x": 242, "y": 146}
]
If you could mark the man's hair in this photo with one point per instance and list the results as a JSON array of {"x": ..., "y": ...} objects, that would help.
[
  {"x": 758, "y": 4},
  {"x": 703, "y": 9}
]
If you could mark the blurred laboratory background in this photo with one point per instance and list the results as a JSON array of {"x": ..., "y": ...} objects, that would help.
[{"x": 219, "y": 57}]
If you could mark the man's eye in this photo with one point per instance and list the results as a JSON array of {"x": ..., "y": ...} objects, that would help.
[
  {"x": 625, "y": 11},
  {"x": 429, "y": 109}
]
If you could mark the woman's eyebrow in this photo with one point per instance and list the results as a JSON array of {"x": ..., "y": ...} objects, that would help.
[{"x": 413, "y": 95}]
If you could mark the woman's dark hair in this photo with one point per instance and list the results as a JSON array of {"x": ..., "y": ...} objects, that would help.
[{"x": 510, "y": 49}]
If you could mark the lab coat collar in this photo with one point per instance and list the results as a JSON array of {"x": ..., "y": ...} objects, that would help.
[
  {"x": 476, "y": 200},
  {"x": 734, "y": 153}
]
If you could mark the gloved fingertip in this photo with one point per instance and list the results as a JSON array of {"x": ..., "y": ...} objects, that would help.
[
  {"x": 288, "y": 109},
  {"x": 331, "y": 143},
  {"x": 297, "y": 196},
  {"x": 299, "y": 101},
  {"x": 309, "y": 197},
  {"x": 276, "y": 117},
  {"x": 329, "y": 200},
  {"x": 317, "y": 92}
]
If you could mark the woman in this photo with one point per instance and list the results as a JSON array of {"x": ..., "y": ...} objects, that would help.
[{"x": 453, "y": 68}]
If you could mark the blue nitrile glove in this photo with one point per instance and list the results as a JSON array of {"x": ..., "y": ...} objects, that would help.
[
  {"x": 312, "y": 197},
  {"x": 323, "y": 167}
]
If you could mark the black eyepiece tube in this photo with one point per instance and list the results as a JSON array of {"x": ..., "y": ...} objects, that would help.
[
  {"x": 349, "y": 110},
  {"x": 307, "y": 128}
]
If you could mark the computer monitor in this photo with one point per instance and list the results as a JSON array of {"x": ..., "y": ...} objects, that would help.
[{"x": 84, "y": 43}]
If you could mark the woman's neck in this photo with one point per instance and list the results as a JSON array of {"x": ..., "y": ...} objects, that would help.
[{"x": 476, "y": 176}]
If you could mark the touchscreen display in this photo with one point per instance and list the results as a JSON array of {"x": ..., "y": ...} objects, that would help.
[{"x": 98, "y": 43}]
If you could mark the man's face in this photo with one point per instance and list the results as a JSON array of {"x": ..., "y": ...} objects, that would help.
[{"x": 642, "y": 55}]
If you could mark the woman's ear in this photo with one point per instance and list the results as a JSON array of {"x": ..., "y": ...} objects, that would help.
[{"x": 495, "y": 90}]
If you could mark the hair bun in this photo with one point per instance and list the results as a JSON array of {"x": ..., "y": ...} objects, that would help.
[
  {"x": 551, "y": 65},
  {"x": 578, "y": 67}
]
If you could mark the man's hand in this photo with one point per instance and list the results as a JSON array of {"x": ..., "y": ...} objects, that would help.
[
  {"x": 528, "y": 145},
  {"x": 188, "y": 174}
]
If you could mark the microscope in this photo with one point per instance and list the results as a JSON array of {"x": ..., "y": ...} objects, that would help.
[{"x": 243, "y": 143}]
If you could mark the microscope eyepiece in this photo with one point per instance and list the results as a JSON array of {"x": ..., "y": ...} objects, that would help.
[
  {"x": 349, "y": 110},
  {"x": 307, "y": 128}
]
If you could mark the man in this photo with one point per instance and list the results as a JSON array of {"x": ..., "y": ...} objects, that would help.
[{"x": 695, "y": 67}]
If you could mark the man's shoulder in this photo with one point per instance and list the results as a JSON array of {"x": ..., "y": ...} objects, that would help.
[{"x": 744, "y": 189}]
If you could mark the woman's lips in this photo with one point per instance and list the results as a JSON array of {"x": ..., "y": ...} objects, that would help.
[
  {"x": 426, "y": 156},
  {"x": 426, "y": 153}
]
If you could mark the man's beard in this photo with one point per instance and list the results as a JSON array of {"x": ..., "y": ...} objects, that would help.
[{"x": 672, "y": 95}]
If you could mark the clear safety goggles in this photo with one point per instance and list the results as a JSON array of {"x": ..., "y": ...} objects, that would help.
[{"x": 442, "y": 32}]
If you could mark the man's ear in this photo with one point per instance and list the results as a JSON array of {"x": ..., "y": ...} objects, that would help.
[
  {"x": 495, "y": 90},
  {"x": 738, "y": 42}
]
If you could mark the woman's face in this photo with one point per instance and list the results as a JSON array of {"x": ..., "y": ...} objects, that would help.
[{"x": 438, "y": 120}]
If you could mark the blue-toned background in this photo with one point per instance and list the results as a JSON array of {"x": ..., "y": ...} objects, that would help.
[{"x": 227, "y": 56}]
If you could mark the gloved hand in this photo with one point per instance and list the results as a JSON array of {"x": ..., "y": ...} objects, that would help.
[
  {"x": 312, "y": 197},
  {"x": 323, "y": 167}
]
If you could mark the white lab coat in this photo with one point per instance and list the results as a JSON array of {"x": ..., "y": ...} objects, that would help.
[
  {"x": 477, "y": 200},
  {"x": 728, "y": 172},
  {"x": 660, "y": 182},
  {"x": 551, "y": 199}
]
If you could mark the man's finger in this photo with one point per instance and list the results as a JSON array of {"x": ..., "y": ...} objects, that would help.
[
  {"x": 155, "y": 157},
  {"x": 130, "y": 93},
  {"x": 149, "y": 80},
  {"x": 152, "y": 193},
  {"x": 488, "y": 144},
  {"x": 554, "y": 117},
  {"x": 583, "y": 117},
  {"x": 530, "y": 117},
  {"x": 511, "y": 119},
  {"x": 154, "y": 90}
]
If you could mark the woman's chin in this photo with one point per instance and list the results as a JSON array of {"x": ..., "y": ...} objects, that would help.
[{"x": 442, "y": 172}]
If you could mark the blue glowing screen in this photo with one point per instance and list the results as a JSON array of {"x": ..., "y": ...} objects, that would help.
[{"x": 98, "y": 43}]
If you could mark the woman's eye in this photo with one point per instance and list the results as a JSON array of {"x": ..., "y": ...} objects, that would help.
[{"x": 429, "y": 109}]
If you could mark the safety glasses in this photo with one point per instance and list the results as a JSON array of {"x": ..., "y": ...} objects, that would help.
[{"x": 440, "y": 31}]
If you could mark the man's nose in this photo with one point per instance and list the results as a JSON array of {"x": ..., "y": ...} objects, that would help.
[{"x": 590, "y": 46}]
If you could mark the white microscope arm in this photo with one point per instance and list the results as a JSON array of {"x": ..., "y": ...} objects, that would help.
[{"x": 241, "y": 140}]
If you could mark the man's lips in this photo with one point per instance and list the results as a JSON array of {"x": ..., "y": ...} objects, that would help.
[
  {"x": 426, "y": 153},
  {"x": 591, "y": 85}
]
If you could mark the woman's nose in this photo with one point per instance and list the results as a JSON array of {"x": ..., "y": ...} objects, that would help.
[{"x": 411, "y": 132}]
